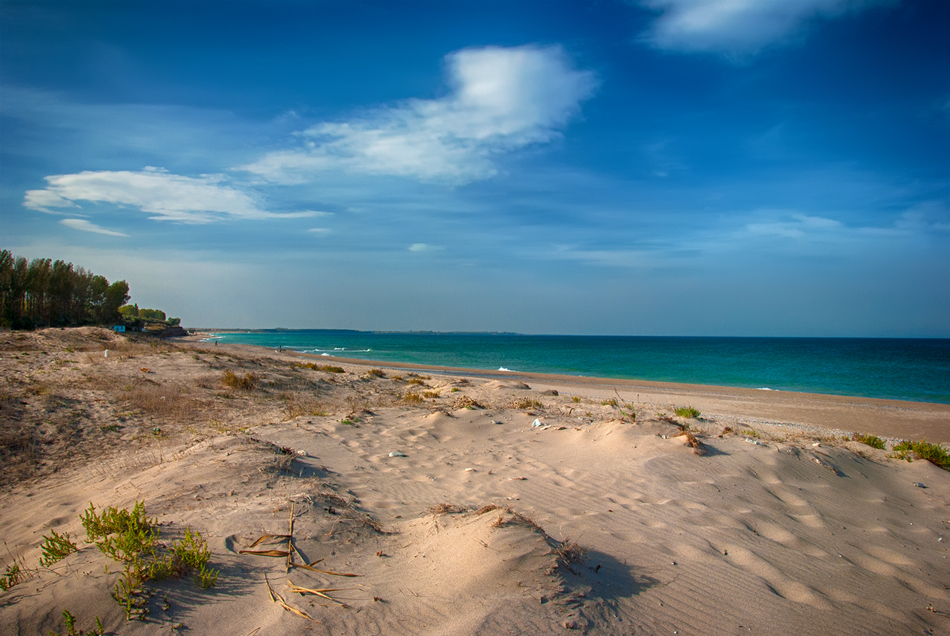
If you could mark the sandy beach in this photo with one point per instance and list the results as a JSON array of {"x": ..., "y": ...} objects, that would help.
[{"x": 465, "y": 502}]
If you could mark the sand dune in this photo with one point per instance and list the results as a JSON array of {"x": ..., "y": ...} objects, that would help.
[{"x": 484, "y": 505}]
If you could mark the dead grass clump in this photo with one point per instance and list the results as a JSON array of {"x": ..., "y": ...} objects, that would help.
[
  {"x": 485, "y": 508},
  {"x": 165, "y": 402},
  {"x": 303, "y": 406},
  {"x": 511, "y": 517},
  {"x": 465, "y": 402},
  {"x": 413, "y": 398},
  {"x": 418, "y": 381},
  {"x": 376, "y": 373},
  {"x": 326, "y": 368},
  {"x": 691, "y": 440},
  {"x": 446, "y": 509},
  {"x": 527, "y": 404},
  {"x": 247, "y": 382}
]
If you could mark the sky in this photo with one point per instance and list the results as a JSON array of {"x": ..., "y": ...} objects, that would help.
[{"x": 625, "y": 167}]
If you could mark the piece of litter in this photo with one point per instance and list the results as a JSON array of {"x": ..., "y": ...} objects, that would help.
[
  {"x": 398, "y": 454},
  {"x": 470, "y": 470},
  {"x": 536, "y": 423},
  {"x": 302, "y": 452},
  {"x": 919, "y": 485},
  {"x": 817, "y": 444},
  {"x": 497, "y": 422}
]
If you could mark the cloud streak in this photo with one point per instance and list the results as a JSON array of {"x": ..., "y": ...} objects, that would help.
[
  {"x": 738, "y": 27},
  {"x": 163, "y": 196},
  {"x": 88, "y": 226},
  {"x": 501, "y": 100}
]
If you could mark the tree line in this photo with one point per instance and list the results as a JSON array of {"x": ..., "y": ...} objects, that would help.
[{"x": 48, "y": 293}]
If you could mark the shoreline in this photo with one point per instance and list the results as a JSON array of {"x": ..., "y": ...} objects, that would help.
[{"x": 892, "y": 419}]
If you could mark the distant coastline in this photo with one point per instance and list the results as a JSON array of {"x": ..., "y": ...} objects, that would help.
[{"x": 911, "y": 369}]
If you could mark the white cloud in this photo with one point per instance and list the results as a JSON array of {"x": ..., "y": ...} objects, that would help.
[
  {"x": 738, "y": 26},
  {"x": 798, "y": 226},
  {"x": 43, "y": 200},
  {"x": 164, "y": 196},
  {"x": 424, "y": 247},
  {"x": 86, "y": 226},
  {"x": 501, "y": 99}
]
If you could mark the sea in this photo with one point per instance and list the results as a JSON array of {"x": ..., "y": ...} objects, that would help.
[{"x": 900, "y": 369}]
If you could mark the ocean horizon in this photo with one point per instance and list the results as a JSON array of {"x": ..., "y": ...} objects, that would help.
[{"x": 912, "y": 369}]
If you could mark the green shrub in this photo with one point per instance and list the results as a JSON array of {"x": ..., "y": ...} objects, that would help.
[
  {"x": 687, "y": 412},
  {"x": 871, "y": 440},
  {"x": 55, "y": 548},
  {"x": 16, "y": 573},
  {"x": 132, "y": 538},
  {"x": 933, "y": 453}
]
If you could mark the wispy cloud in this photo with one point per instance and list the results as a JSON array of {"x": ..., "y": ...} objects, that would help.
[
  {"x": 164, "y": 196},
  {"x": 738, "y": 27},
  {"x": 501, "y": 99},
  {"x": 424, "y": 247},
  {"x": 794, "y": 226},
  {"x": 87, "y": 226}
]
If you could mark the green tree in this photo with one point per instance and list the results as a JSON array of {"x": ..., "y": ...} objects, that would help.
[{"x": 116, "y": 295}]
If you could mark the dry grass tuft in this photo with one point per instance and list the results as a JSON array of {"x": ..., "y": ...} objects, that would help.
[
  {"x": 446, "y": 509},
  {"x": 412, "y": 398},
  {"x": 247, "y": 382},
  {"x": 465, "y": 402},
  {"x": 527, "y": 404},
  {"x": 691, "y": 440}
]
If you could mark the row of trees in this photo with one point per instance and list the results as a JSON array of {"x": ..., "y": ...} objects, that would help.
[
  {"x": 132, "y": 313},
  {"x": 47, "y": 293}
]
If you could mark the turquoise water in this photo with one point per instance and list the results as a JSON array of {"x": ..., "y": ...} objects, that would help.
[{"x": 901, "y": 369}]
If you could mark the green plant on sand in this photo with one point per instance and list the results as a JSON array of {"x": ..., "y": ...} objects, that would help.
[
  {"x": 687, "y": 412},
  {"x": 56, "y": 548},
  {"x": 871, "y": 440},
  {"x": 132, "y": 538},
  {"x": 934, "y": 453}
]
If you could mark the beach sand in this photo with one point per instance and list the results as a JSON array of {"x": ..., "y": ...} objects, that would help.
[{"x": 466, "y": 502}]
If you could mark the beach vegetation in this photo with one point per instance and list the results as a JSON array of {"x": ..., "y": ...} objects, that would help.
[
  {"x": 69, "y": 624},
  {"x": 326, "y": 368},
  {"x": 465, "y": 402},
  {"x": 412, "y": 398},
  {"x": 687, "y": 411},
  {"x": 247, "y": 382},
  {"x": 575, "y": 399},
  {"x": 609, "y": 402},
  {"x": 430, "y": 394},
  {"x": 55, "y": 548},
  {"x": 15, "y": 573},
  {"x": 526, "y": 403},
  {"x": 933, "y": 453},
  {"x": 416, "y": 381},
  {"x": 131, "y": 538},
  {"x": 871, "y": 440},
  {"x": 376, "y": 373},
  {"x": 749, "y": 432}
]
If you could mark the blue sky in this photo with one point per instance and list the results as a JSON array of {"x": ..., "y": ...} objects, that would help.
[{"x": 644, "y": 167}]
